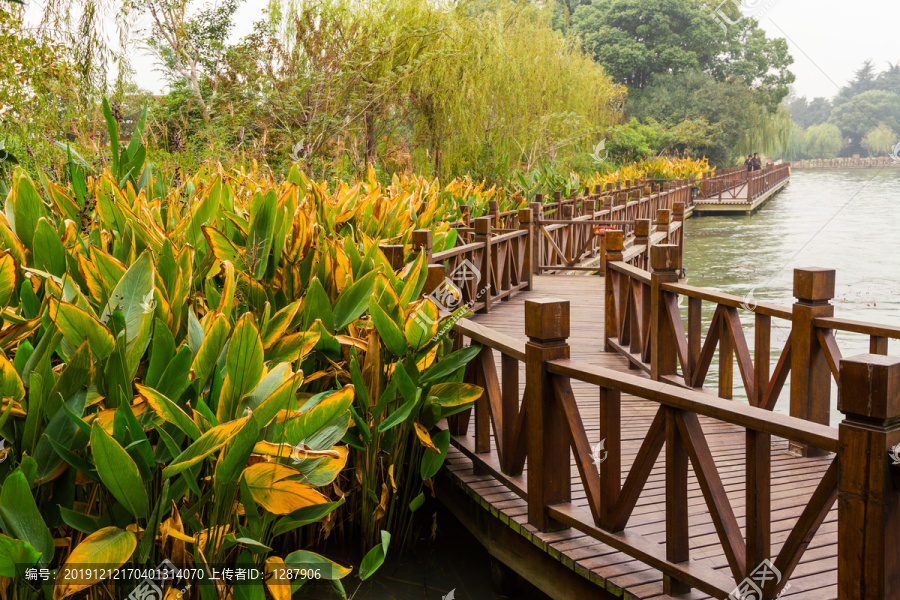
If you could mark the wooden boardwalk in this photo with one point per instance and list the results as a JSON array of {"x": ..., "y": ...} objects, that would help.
[
  {"x": 736, "y": 201},
  {"x": 793, "y": 478}
]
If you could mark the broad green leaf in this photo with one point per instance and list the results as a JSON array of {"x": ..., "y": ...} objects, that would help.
[
  {"x": 16, "y": 556},
  {"x": 455, "y": 394},
  {"x": 77, "y": 325},
  {"x": 415, "y": 280},
  {"x": 303, "y": 559},
  {"x": 209, "y": 442},
  {"x": 208, "y": 354},
  {"x": 431, "y": 462},
  {"x": 24, "y": 208},
  {"x": 305, "y": 516},
  {"x": 311, "y": 420},
  {"x": 98, "y": 554},
  {"x": 317, "y": 306},
  {"x": 450, "y": 364},
  {"x": 374, "y": 558},
  {"x": 118, "y": 472},
  {"x": 244, "y": 363},
  {"x": 353, "y": 302},
  {"x": 21, "y": 516},
  {"x": 398, "y": 416},
  {"x": 422, "y": 324},
  {"x": 62, "y": 430},
  {"x": 262, "y": 225},
  {"x": 133, "y": 295},
  {"x": 293, "y": 347},
  {"x": 391, "y": 335},
  {"x": 49, "y": 254},
  {"x": 169, "y": 411}
]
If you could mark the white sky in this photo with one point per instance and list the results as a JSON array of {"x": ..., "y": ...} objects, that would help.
[{"x": 828, "y": 39}]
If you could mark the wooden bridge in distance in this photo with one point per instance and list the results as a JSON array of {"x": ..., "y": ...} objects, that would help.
[{"x": 690, "y": 494}]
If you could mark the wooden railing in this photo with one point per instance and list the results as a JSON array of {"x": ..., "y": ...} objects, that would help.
[
  {"x": 760, "y": 182},
  {"x": 642, "y": 309},
  {"x": 543, "y": 429},
  {"x": 847, "y": 163},
  {"x": 724, "y": 185}
]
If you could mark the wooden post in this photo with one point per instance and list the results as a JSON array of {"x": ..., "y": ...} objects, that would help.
[
  {"x": 663, "y": 357},
  {"x": 528, "y": 267},
  {"x": 465, "y": 212},
  {"x": 810, "y": 373},
  {"x": 395, "y": 255},
  {"x": 678, "y": 217},
  {"x": 615, "y": 243},
  {"x": 436, "y": 276},
  {"x": 869, "y": 481},
  {"x": 663, "y": 218},
  {"x": 494, "y": 212},
  {"x": 549, "y": 468},
  {"x": 483, "y": 236},
  {"x": 421, "y": 240},
  {"x": 641, "y": 232},
  {"x": 537, "y": 242},
  {"x": 677, "y": 525}
]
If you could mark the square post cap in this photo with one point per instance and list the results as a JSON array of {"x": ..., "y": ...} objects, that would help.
[
  {"x": 870, "y": 386},
  {"x": 814, "y": 284},
  {"x": 547, "y": 319}
]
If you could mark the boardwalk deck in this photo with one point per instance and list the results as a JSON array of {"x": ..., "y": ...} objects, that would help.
[
  {"x": 793, "y": 478},
  {"x": 735, "y": 202}
]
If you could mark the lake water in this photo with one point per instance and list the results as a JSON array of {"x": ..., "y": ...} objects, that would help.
[{"x": 844, "y": 220}]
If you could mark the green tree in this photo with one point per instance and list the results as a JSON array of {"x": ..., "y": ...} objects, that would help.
[
  {"x": 865, "y": 112},
  {"x": 823, "y": 141},
  {"x": 880, "y": 140},
  {"x": 725, "y": 107},
  {"x": 637, "y": 39}
]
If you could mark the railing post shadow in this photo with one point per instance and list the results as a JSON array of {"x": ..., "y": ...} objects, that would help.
[
  {"x": 810, "y": 373},
  {"x": 869, "y": 480},
  {"x": 526, "y": 222},
  {"x": 547, "y": 436},
  {"x": 663, "y": 356},
  {"x": 615, "y": 242},
  {"x": 483, "y": 236}
]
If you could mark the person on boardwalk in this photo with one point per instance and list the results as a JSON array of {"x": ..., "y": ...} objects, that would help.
[
  {"x": 749, "y": 163},
  {"x": 757, "y": 161}
]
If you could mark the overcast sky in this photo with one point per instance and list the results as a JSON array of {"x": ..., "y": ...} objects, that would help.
[{"x": 828, "y": 39}]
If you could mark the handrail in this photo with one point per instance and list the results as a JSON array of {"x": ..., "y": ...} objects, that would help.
[
  {"x": 765, "y": 308},
  {"x": 736, "y": 413},
  {"x": 863, "y": 327}
]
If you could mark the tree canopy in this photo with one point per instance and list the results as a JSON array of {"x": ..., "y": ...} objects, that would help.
[{"x": 638, "y": 39}]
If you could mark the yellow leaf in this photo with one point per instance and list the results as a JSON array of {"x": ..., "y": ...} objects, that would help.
[
  {"x": 11, "y": 386},
  {"x": 107, "y": 549},
  {"x": 278, "y": 583},
  {"x": 9, "y": 275},
  {"x": 272, "y": 490},
  {"x": 455, "y": 394},
  {"x": 425, "y": 438}
]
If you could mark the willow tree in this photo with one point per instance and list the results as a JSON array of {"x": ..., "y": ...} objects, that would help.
[{"x": 509, "y": 90}]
